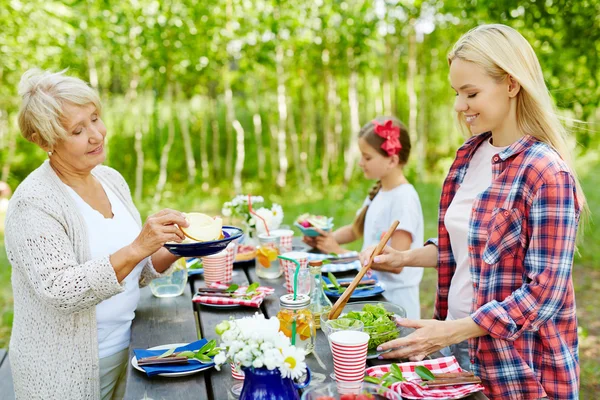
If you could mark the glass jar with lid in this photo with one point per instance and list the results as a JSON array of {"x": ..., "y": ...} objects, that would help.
[
  {"x": 296, "y": 321},
  {"x": 319, "y": 303}
]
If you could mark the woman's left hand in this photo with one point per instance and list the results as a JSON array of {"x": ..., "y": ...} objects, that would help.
[
  {"x": 326, "y": 243},
  {"x": 430, "y": 336}
]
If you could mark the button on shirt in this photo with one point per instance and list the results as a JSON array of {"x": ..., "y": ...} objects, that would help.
[{"x": 522, "y": 235}]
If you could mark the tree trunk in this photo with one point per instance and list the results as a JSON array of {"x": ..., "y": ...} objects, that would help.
[
  {"x": 351, "y": 153},
  {"x": 274, "y": 131},
  {"x": 410, "y": 87},
  {"x": 338, "y": 130},
  {"x": 164, "y": 157},
  {"x": 423, "y": 128},
  {"x": 376, "y": 88},
  {"x": 328, "y": 144},
  {"x": 204, "y": 164},
  {"x": 309, "y": 129},
  {"x": 282, "y": 108},
  {"x": 216, "y": 138},
  {"x": 240, "y": 156},
  {"x": 183, "y": 115},
  {"x": 260, "y": 153},
  {"x": 295, "y": 141},
  {"x": 140, "y": 128},
  {"x": 387, "y": 91},
  {"x": 230, "y": 117}
]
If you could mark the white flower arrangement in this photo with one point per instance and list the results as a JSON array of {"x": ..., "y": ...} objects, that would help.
[
  {"x": 257, "y": 342},
  {"x": 238, "y": 207}
]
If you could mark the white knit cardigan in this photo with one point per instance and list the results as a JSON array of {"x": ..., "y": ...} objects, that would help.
[{"x": 56, "y": 287}]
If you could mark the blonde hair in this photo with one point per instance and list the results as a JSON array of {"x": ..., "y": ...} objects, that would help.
[
  {"x": 43, "y": 95},
  {"x": 502, "y": 51}
]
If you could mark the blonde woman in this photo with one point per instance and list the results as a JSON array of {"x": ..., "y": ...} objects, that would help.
[
  {"x": 508, "y": 220},
  {"x": 77, "y": 248}
]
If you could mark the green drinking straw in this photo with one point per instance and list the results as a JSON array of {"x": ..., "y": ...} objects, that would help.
[{"x": 295, "y": 290}]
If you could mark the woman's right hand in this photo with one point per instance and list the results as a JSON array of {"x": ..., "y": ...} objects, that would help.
[
  {"x": 311, "y": 241},
  {"x": 390, "y": 260},
  {"x": 159, "y": 228}
]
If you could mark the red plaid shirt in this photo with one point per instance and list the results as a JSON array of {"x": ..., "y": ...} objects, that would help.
[{"x": 521, "y": 241}]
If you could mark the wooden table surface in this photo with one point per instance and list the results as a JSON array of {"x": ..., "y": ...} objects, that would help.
[{"x": 177, "y": 320}]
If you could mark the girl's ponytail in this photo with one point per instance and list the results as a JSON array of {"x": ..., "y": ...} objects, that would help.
[{"x": 358, "y": 226}]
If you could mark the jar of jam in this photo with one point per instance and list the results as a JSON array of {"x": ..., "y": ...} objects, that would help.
[{"x": 296, "y": 321}]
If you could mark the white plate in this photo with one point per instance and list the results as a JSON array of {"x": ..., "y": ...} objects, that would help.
[{"x": 135, "y": 365}]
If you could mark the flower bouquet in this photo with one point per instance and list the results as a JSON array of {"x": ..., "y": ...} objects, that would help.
[
  {"x": 239, "y": 207},
  {"x": 266, "y": 356}
]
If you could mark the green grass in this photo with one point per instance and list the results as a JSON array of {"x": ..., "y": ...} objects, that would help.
[{"x": 341, "y": 203}]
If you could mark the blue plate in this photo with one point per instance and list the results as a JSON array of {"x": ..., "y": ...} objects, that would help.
[
  {"x": 311, "y": 231},
  {"x": 202, "y": 249},
  {"x": 192, "y": 262},
  {"x": 358, "y": 294}
]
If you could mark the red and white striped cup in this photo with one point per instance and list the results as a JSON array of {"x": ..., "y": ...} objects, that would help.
[
  {"x": 288, "y": 266},
  {"x": 349, "y": 350},
  {"x": 239, "y": 375},
  {"x": 219, "y": 267},
  {"x": 285, "y": 239}
]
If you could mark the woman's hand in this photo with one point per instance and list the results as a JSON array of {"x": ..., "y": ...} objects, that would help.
[
  {"x": 430, "y": 336},
  {"x": 326, "y": 243},
  {"x": 311, "y": 241},
  {"x": 389, "y": 260},
  {"x": 159, "y": 229}
]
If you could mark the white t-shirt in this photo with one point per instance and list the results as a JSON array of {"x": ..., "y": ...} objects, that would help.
[
  {"x": 401, "y": 203},
  {"x": 106, "y": 236},
  {"x": 477, "y": 179}
]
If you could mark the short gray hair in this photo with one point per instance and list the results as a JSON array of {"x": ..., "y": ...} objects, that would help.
[{"x": 43, "y": 95}]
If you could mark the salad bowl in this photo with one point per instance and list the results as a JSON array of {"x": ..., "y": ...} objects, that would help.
[{"x": 379, "y": 319}]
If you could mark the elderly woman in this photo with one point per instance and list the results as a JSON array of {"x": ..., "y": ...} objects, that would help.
[{"x": 77, "y": 248}]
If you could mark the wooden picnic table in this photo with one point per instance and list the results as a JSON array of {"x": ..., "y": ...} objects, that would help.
[{"x": 176, "y": 320}]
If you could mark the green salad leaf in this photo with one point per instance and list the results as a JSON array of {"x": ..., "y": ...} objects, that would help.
[
  {"x": 379, "y": 323},
  {"x": 424, "y": 373}
]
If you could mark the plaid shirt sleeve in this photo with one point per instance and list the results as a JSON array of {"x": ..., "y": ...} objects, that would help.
[{"x": 553, "y": 220}]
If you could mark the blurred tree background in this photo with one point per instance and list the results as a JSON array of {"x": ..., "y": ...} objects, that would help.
[{"x": 206, "y": 99}]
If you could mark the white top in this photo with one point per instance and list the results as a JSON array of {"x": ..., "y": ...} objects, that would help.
[
  {"x": 57, "y": 285},
  {"x": 477, "y": 179},
  {"x": 401, "y": 203},
  {"x": 106, "y": 236}
]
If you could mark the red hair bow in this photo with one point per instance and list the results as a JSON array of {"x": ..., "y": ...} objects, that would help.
[{"x": 391, "y": 134}]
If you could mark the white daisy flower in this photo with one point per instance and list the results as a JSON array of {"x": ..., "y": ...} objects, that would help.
[{"x": 293, "y": 363}]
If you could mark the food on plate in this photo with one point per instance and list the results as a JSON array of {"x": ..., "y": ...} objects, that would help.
[
  {"x": 203, "y": 228},
  {"x": 245, "y": 252},
  {"x": 379, "y": 323},
  {"x": 314, "y": 221}
]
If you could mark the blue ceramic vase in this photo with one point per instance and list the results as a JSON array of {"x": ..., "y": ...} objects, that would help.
[{"x": 264, "y": 384}]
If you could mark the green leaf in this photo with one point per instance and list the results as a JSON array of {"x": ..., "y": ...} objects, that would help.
[
  {"x": 232, "y": 288},
  {"x": 167, "y": 353},
  {"x": 334, "y": 281},
  {"x": 325, "y": 262},
  {"x": 424, "y": 373},
  {"x": 203, "y": 358},
  {"x": 208, "y": 347},
  {"x": 187, "y": 353},
  {"x": 397, "y": 373},
  {"x": 334, "y": 254},
  {"x": 372, "y": 379},
  {"x": 252, "y": 288}
]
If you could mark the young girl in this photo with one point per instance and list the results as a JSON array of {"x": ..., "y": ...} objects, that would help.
[
  {"x": 385, "y": 146},
  {"x": 507, "y": 226}
]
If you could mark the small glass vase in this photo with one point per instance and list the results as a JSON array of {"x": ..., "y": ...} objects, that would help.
[
  {"x": 319, "y": 302},
  {"x": 265, "y": 384}
]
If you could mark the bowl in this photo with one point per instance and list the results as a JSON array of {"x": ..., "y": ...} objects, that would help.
[
  {"x": 312, "y": 232},
  {"x": 335, "y": 390},
  {"x": 377, "y": 336},
  {"x": 201, "y": 249}
]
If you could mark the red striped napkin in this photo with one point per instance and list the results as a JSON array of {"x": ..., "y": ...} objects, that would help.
[
  {"x": 412, "y": 389},
  {"x": 256, "y": 301}
]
